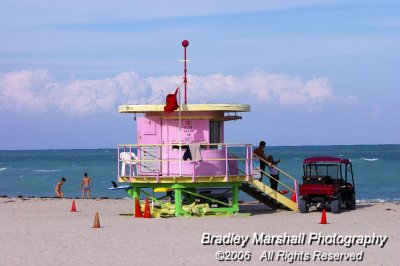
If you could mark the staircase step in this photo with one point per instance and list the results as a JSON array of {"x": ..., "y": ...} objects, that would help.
[{"x": 258, "y": 190}]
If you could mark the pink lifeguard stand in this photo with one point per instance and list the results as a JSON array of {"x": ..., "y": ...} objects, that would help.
[{"x": 160, "y": 158}]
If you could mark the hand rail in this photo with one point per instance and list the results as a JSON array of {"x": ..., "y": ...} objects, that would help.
[
  {"x": 184, "y": 144},
  {"x": 280, "y": 182},
  {"x": 286, "y": 174},
  {"x": 241, "y": 156}
]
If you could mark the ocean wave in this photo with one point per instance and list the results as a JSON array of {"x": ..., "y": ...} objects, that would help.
[
  {"x": 395, "y": 200},
  {"x": 370, "y": 159},
  {"x": 45, "y": 171},
  {"x": 3, "y": 169}
]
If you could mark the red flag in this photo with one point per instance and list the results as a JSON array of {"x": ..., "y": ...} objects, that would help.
[{"x": 171, "y": 102}]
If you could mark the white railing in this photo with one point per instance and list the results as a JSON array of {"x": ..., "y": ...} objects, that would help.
[{"x": 164, "y": 160}]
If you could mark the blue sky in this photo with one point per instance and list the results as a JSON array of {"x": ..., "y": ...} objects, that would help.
[{"x": 314, "y": 72}]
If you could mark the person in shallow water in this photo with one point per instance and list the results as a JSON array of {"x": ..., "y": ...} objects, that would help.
[
  {"x": 85, "y": 186},
  {"x": 57, "y": 189}
]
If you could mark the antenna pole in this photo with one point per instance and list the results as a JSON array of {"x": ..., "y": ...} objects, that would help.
[{"x": 185, "y": 43}]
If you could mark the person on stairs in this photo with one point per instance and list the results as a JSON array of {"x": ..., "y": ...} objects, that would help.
[
  {"x": 273, "y": 172},
  {"x": 259, "y": 151}
]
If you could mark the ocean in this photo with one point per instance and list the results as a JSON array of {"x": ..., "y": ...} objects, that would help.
[{"x": 34, "y": 173}]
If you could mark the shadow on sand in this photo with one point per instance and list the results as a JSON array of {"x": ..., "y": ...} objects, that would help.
[
  {"x": 358, "y": 206},
  {"x": 256, "y": 209}
]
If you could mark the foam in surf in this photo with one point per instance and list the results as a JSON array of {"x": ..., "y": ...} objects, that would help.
[{"x": 370, "y": 159}]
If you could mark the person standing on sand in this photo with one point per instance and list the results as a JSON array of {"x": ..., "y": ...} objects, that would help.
[
  {"x": 57, "y": 189},
  {"x": 259, "y": 151},
  {"x": 85, "y": 186}
]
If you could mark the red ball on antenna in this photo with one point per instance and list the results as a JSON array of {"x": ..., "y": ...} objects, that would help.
[{"x": 185, "y": 43}]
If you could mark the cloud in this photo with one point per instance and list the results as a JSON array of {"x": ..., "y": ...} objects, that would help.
[
  {"x": 88, "y": 96},
  {"x": 37, "y": 91},
  {"x": 24, "y": 90},
  {"x": 255, "y": 86}
]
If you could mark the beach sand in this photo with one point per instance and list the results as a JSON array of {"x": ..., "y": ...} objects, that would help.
[{"x": 38, "y": 231}]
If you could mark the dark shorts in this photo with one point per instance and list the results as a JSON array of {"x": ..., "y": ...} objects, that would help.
[
  {"x": 262, "y": 165},
  {"x": 274, "y": 183}
]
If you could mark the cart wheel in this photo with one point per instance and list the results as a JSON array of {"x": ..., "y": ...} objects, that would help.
[
  {"x": 336, "y": 205},
  {"x": 351, "y": 204},
  {"x": 303, "y": 206}
]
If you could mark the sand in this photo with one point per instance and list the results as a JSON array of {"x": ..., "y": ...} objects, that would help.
[{"x": 45, "y": 232}]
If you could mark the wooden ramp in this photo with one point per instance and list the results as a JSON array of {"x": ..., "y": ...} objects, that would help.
[{"x": 268, "y": 196}]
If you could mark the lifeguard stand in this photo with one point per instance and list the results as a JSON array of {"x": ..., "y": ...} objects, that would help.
[{"x": 162, "y": 140}]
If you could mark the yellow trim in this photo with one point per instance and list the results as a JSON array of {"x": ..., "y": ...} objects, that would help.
[
  {"x": 274, "y": 194},
  {"x": 162, "y": 189},
  {"x": 145, "y": 108},
  {"x": 184, "y": 179}
]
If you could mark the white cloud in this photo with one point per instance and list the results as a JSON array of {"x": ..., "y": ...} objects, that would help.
[
  {"x": 24, "y": 90},
  {"x": 37, "y": 91},
  {"x": 256, "y": 86},
  {"x": 87, "y": 96}
]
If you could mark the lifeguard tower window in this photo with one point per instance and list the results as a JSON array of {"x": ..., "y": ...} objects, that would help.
[{"x": 215, "y": 133}]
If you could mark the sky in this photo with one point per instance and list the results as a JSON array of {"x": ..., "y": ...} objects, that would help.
[{"x": 315, "y": 72}]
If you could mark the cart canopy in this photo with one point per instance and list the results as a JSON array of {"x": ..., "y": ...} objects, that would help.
[{"x": 326, "y": 159}]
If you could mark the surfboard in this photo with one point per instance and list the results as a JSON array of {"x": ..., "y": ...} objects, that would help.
[{"x": 116, "y": 187}]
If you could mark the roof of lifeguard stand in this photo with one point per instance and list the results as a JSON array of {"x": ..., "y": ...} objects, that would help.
[
  {"x": 221, "y": 109},
  {"x": 145, "y": 108}
]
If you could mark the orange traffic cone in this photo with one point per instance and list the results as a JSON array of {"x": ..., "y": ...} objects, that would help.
[
  {"x": 96, "y": 221},
  {"x": 73, "y": 208},
  {"x": 323, "y": 217},
  {"x": 294, "y": 196},
  {"x": 147, "y": 213},
  {"x": 138, "y": 212}
]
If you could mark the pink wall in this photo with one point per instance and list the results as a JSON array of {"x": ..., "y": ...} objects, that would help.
[{"x": 157, "y": 130}]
